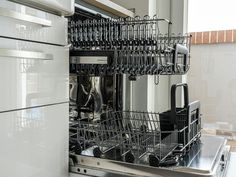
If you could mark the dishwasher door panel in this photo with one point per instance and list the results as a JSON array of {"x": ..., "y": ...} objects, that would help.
[
  {"x": 22, "y": 22},
  {"x": 32, "y": 74},
  {"x": 34, "y": 142}
]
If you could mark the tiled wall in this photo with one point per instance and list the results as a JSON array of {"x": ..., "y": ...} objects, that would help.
[{"x": 214, "y": 37}]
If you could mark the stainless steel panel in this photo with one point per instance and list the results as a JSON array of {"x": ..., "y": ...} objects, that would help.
[
  {"x": 92, "y": 60},
  {"x": 88, "y": 60}
]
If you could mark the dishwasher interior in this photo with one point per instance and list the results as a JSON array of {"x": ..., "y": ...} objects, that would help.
[{"x": 105, "y": 138}]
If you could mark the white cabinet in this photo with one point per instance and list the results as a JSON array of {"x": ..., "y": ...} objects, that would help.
[
  {"x": 34, "y": 142},
  {"x": 22, "y": 22},
  {"x": 61, "y": 7},
  {"x": 32, "y": 74},
  {"x": 34, "y": 91}
]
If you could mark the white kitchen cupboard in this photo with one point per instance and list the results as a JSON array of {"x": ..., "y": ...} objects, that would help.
[
  {"x": 22, "y": 22},
  {"x": 32, "y": 74},
  {"x": 60, "y": 7},
  {"x": 34, "y": 142}
]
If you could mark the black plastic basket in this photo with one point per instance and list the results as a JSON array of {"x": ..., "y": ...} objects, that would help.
[{"x": 185, "y": 120}]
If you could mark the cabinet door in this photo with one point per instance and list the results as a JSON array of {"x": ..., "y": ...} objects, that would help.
[
  {"x": 61, "y": 7},
  {"x": 32, "y": 74},
  {"x": 22, "y": 22},
  {"x": 34, "y": 142}
]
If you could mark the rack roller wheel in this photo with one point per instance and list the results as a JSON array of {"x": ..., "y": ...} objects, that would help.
[
  {"x": 154, "y": 161},
  {"x": 77, "y": 148},
  {"x": 97, "y": 152},
  {"x": 143, "y": 128},
  {"x": 129, "y": 157}
]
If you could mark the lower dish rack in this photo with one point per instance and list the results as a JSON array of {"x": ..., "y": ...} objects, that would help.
[{"x": 129, "y": 136}]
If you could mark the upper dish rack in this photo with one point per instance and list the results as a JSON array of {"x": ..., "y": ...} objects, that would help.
[{"x": 132, "y": 46}]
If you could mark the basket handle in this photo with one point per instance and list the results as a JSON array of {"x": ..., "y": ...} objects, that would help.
[
  {"x": 173, "y": 99},
  {"x": 180, "y": 49}
]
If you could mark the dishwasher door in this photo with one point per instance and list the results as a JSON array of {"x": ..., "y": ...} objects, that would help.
[{"x": 60, "y": 7}]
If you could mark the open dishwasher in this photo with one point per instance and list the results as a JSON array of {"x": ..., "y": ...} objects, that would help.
[{"x": 108, "y": 140}]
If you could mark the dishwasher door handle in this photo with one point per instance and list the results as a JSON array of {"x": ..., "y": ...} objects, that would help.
[
  {"x": 25, "y": 54},
  {"x": 24, "y": 17}
]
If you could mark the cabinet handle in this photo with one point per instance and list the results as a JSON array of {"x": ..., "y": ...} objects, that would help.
[
  {"x": 25, "y": 54},
  {"x": 24, "y": 17}
]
